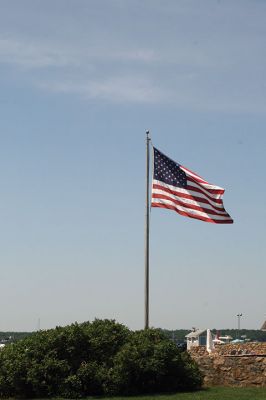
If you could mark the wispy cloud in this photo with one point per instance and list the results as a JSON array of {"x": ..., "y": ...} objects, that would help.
[
  {"x": 91, "y": 74},
  {"x": 39, "y": 54},
  {"x": 113, "y": 89},
  {"x": 32, "y": 55},
  {"x": 177, "y": 55}
]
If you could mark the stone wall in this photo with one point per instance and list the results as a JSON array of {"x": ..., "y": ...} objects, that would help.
[
  {"x": 233, "y": 365},
  {"x": 253, "y": 348}
]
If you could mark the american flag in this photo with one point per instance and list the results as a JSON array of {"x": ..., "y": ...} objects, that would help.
[{"x": 177, "y": 188}]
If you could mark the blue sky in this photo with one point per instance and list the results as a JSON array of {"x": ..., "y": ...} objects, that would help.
[{"x": 81, "y": 82}]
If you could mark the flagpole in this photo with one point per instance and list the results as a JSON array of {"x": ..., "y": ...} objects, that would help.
[{"x": 147, "y": 231}]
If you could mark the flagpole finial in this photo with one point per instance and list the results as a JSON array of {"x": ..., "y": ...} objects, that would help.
[{"x": 147, "y": 133}]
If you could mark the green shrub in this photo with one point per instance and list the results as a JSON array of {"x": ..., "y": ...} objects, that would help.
[
  {"x": 150, "y": 363},
  {"x": 102, "y": 357}
]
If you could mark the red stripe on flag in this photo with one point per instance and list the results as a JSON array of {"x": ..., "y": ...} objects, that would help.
[
  {"x": 222, "y": 212},
  {"x": 189, "y": 196},
  {"x": 220, "y": 221}
]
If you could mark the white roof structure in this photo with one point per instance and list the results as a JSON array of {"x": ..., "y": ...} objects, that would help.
[{"x": 195, "y": 333}]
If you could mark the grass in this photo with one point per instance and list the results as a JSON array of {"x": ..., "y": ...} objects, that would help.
[{"x": 217, "y": 393}]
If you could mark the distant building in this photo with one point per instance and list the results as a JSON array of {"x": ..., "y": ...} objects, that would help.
[
  {"x": 263, "y": 328},
  {"x": 198, "y": 337}
]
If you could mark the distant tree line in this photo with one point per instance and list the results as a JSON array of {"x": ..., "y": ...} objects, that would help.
[
  {"x": 252, "y": 334},
  {"x": 178, "y": 334},
  {"x": 95, "y": 358}
]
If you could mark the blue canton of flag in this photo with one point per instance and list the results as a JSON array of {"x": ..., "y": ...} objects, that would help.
[{"x": 168, "y": 171}]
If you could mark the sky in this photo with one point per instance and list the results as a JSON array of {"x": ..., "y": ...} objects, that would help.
[{"x": 80, "y": 83}]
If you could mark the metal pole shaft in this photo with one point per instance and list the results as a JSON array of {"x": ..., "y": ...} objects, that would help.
[
  {"x": 147, "y": 232},
  {"x": 238, "y": 324}
]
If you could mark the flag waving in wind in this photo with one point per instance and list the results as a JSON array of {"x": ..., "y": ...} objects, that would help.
[{"x": 177, "y": 188}]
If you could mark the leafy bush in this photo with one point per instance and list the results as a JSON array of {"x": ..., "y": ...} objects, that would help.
[
  {"x": 150, "y": 363},
  {"x": 98, "y": 358}
]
